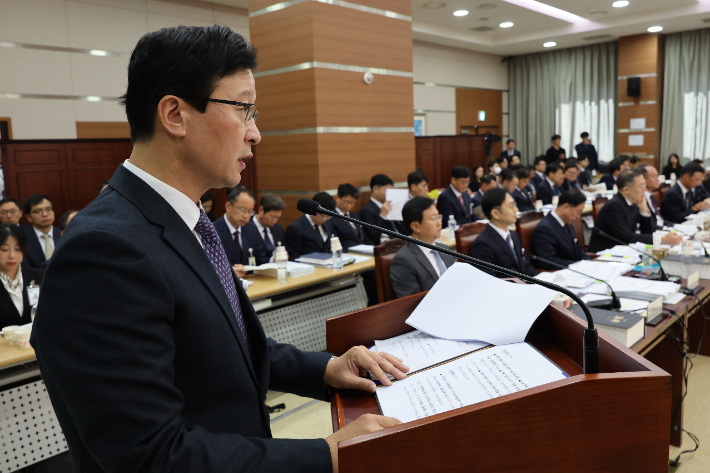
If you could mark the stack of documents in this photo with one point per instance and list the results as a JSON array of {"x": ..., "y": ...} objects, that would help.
[
  {"x": 620, "y": 254},
  {"x": 324, "y": 260},
  {"x": 363, "y": 249},
  {"x": 294, "y": 269},
  {"x": 634, "y": 288}
]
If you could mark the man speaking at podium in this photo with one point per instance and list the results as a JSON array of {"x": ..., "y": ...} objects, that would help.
[{"x": 152, "y": 354}]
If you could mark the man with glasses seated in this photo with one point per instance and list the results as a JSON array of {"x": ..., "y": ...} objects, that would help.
[
  {"x": 415, "y": 269},
  {"x": 10, "y": 212},
  {"x": 42, "y": 236},
  {"x": 455, "y": 199},
  {"x": 240, "y": 240},
  {"x": 310, "y": 233}
]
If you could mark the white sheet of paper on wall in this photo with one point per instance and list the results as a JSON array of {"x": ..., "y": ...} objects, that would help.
[
  {"x": 638, "y": 123},
  {"x": 635, "y": 140}
]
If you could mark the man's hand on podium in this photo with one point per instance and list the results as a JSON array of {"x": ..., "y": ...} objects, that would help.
[
  {"x": 345, "y": 372},
  {"x": 364, "y": 424}
]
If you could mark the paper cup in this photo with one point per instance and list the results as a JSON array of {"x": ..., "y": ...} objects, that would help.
[
  {"x": 657, "y": 237},
  {"x": 9, "y": 333},
  {"x": 555, "y": 200},
  {"x": 538, "y": 205},
  {"x": 22, "y": 337}
]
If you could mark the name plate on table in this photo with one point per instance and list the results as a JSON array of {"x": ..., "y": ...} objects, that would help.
[
  {"x": 693, "y": 280},
  {"x": 654, "y": 309}
]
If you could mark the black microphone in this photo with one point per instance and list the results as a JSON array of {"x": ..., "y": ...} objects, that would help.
[
  {"x": 591, "y": 337},
  {"x": 614, "y": 304},
  {"x": 662, "y": 275}
]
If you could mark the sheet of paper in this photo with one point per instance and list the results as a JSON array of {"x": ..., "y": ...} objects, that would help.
[
  {"x": 364, "y": 249},
  {"x": 356, "y": 257},
  {"x": 674, "y": 298},
  {"x": 471, "y": 379},
  {"x": 600, "y": 270},
  {"x": 638, "y": 124},
  {"x": 635, "y": 140},
  {"x": 419, "y": 350},
  {"x": 398, "y": 197},
  {"x": 468, "y": 304}
]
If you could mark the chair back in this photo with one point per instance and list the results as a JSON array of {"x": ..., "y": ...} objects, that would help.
[
  {"x": 465, "y": 235},
  {"x": 662, "y": 191},
  {"x": 597, "y": 206},
  {"x": 525, "y": 226},
  {"x": 384, "y": 253}
]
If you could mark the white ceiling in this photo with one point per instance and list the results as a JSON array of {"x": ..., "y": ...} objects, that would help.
[{"x": 568, "y": 23}]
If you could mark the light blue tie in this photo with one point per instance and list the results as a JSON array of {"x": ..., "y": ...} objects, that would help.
[{"x": 439, "y": 263}]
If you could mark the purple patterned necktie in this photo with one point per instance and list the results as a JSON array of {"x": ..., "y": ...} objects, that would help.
[{"x": 218, "y": 258}]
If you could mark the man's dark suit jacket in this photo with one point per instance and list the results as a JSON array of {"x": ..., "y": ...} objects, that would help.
[
  {"x": 552, "y": 242},
  {"x": 8, "y": 312},
  {"x": 567, "y": 185},
  {"x": 674, "y": 209},
  {"x": 553, "y": 155},
  {"x": 475, "y": 200},
  {"x": 545, "y": 192},
  {"x": 277, "y": 234},
  {"x": 348, "y": 236},
  {"x": 654, "y": 215},
  {"x": 411, "y": 271},
  {"x": 490, "y": 247},
  {"x": 303, "y": 239},
  {"x": 701, "y": 193},
  {"x": 142, "y": 356},
  {"x": 35, "y": 256},
  {"x": 590, "y": 151},
  {"x": 250, "y": 239},
  {"x": 448, "y": 204},
  {"x": 537, "y": 181},
  {"x": 584, "y": 178},
  {"x": 609, "y": 180},
  {"x": 504, "y": 154},
  {"x": 620, "y": 220},
  {"x": 370, "y": 213},
  {"x": 523, "y": 200}
]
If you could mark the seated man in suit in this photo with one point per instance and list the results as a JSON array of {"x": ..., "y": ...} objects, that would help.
[
  {"x": 522, "y": 194},
  {"x": 350, "y": 234},
  {"x": 376, "y": 209},
  {"x": 650, "y": 173},
  {"x": 681, "y": 199},
  {"x": 455, "y": 199},
  {"x": 550, "y": 187},
  {"x": 42, "y": 236},
  {"x": 488, "y": 181},
  {"x": 623, "y": 213},
  {"x": 497, "y": 244},
  {"x": 554, "y": 238},
  {"x": 415, "y": 269},
  {"x": 310, "y": 233},
  {"x": 510, "y": 151},
  {"x": 584, "y": 178},
  {"x": 571, "y": 175},
  {"x": 634, "y": 162},
  {"x": 555, "y": 153},
  {"x": 10, "y": 211},
  {"x": 610, "y": 177},
  {"x": 503, "y": 162},
  {"x": 418, "y": 184},
  {"x": 586, "y": 149},
  {"x": 540, "y": 168},
  {"x": 265, "y": 221},
  {"x": 240, "y": 241}
]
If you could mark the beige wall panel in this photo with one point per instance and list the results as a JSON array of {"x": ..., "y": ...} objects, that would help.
[
  {"x": 356, "y": 157},
  {"x": 283, "y": 38},
  {"x": 101, "y": 27},
  {"x": 398, "y": 6},
  {"x": 34, "y": 22},
  {"x": 287, "y": 162},
  {"x": 286, "y": 101},
  {"x": 30, "y": 71},
  {"x": 639, "y": 54},
  {"x": 625, "y": 114}
]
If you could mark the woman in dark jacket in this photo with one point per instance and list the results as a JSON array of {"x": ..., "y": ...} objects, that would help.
[
  {"x": 476, "y": 176},
  {"x": 15, "y": 307},
  {"x": 673, "y": 166}
]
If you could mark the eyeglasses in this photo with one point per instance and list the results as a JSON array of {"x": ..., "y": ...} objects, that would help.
[
  {"x": 437, "y": 218},
  {"x": 244, "y": 210},
  {"x": 249, "y": 107},
  {"x": 5, "y": 213},
  {"x": 42, "y": 211}
]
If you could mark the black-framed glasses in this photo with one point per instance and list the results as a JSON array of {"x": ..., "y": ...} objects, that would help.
[{"x": 249, "y": 107}]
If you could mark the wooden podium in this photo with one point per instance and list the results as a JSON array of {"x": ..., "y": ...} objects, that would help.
[{"x": 616, "y": 420}]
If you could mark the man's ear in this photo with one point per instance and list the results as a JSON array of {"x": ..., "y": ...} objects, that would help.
[
  {"x": 171, "y": 115},
  {"x": 415, "y": 226}
]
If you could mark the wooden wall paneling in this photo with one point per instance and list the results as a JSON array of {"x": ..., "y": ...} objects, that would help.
[
  {"x": 649, "y": 90},
  {"x": 403, "y": 7},
  {"x": 626, "y": 113},
  {"x": 91, "y": 130},
  {"x": 88, "y": 165},
  {"x": 426, "y": 159},
  {"x": 283, "y": 38},
  {"x": 287, "y": 162},
  {"x": 287, "y": 101},
  {"x": 649, "y": 143},
  {"x": 638, "y": 54},
  {"x": 470, "y": 101}
]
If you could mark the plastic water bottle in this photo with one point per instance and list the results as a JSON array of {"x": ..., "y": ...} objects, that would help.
[
  {"x": 281, "y": 258},
  {"x": 647, "y": 260},
  {"x": 686, "y": 259},
  {"x": 384, "y": 237},
  {"x": 452, "y": 225},
  {"x": 337, "y": 250},
  {"x": 673, "y": 179}
]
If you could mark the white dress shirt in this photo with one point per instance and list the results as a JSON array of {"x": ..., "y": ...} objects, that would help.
[
  {"x": 261, "y": 229},
  {"x": 557, "y": 217},
  {"x": 683, "y": 190},
  {"x": 503, "y": 233},
  {"x": 235, "y": 232},
  {"x": 628, "y": 202},
  {"x": 429, "y": 253},
  {"x": 456, "y": 193},
  {"x": 14, "y": 289},
  {"x": 323, "y": 234},
  {"x": 340, "y": 212},
  {"x": 42, "y": 241},
  {"x": 552, "y": 184},
  {"x": 659, "y": 219},
  {"x": 188, "y": 210}
]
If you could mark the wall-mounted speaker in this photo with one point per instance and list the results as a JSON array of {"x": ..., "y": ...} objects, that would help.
[{"x": 633, "y": 86}]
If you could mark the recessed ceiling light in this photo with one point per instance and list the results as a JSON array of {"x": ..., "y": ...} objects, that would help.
[
  {"x": 433, "y": 5},
  {"x": 486, "y": 6},
  {"x": 461, "y": 13},
  {"x": 620, "y": 4},
  {"x": 655, "y": 29},
  {"x": 549, "y": 44},
  {"x": 506, "y": 24}
]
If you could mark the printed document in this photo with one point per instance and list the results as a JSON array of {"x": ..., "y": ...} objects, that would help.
[{"x": 398, "y": 197}]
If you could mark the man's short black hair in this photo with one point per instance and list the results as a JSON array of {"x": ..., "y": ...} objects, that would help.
[
  {"x": 185, "y": 61},
  {"x": 539, "y": 159},
  {"x": 555, "y": 137},
  {"x": 325, "y": 200},
  {"x": 348, "y": 190},
  {"x": 7, "y": 200},
  {"x": 700, "y": 162},
  {"x": 552, "y": 168},
  {"x": 627, "y": 178},
  {"x": 571, "y": 163},
  {"x": 379, "y": 180},
  {"x": 523, "y": 172},
  {"x": 509, "y": 141},
  {"x": 488, "y": 178},
  {"x": 271, "y": 201},
  {"x": 64, "y": 221},
  {"x": 583, "y": 157},
  {"x": 413, "y": 211},
  {"x": 584, "y": 135},
  {"x": 491, "y": 199},
  {"x": 622, "y": 158},
  {"x": 415, "y": 178},
  {"x": 7, "y": 230},
  {"x": 614, "y": 166},
  {"x": 492, "y": 164},
  {"x": 500, "y": 159},
  {"x": 691, "y": 168},
  {"x": 235, "y": 192},
  {"x": 33, "y": 201},
  {"x": 206, "y": 197},
  {"x": 507, "y": 175},
  {"x": 460, "y": 172},
  {"x": 634, "y": 159},
  {"x": 573, "y": 197}
]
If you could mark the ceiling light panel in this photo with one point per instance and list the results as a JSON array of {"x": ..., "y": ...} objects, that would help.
[
  {"x": 461, "y": 13},
  {"x": 506, "y": 24},
  {"x": 549, "y": 44},
  {"x": 655, "y": 29},
  {"x": 620, "y": 4}
]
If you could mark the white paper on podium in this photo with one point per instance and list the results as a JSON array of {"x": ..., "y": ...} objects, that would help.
[
  {"x": 471, "y": 379},
  {"x": 467, "y": 304},
  {"x": 398, "y": 197}
]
